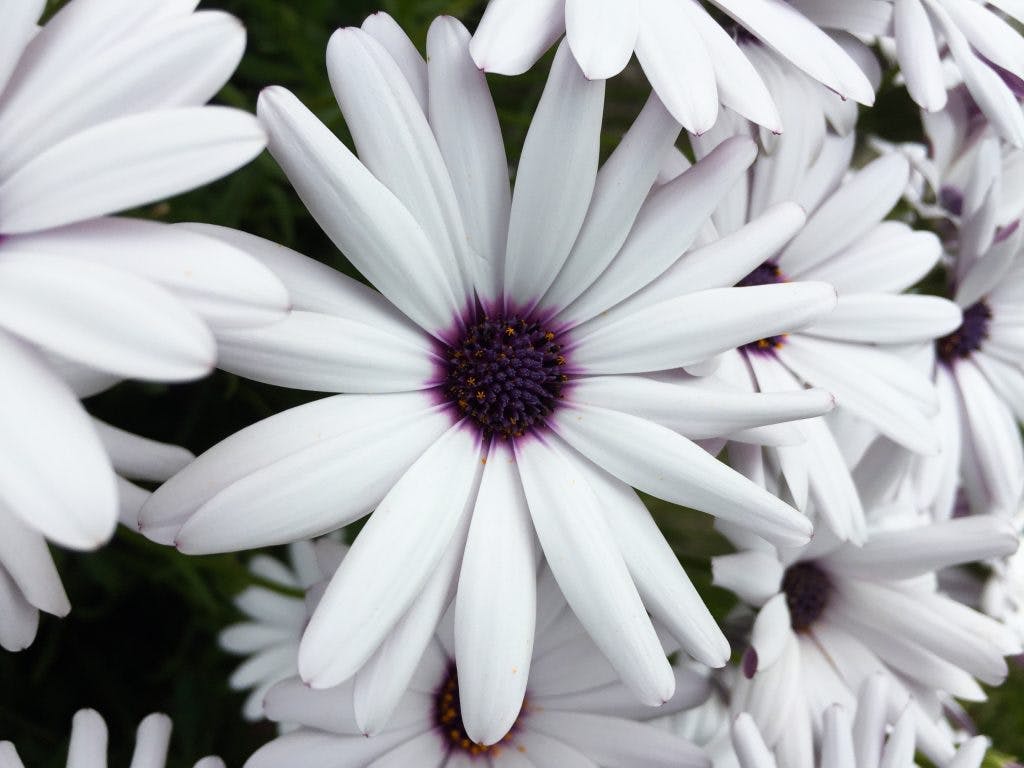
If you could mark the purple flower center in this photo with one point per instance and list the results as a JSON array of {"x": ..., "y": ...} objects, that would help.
[
  {"x": 506, "y": 375},
  {"x": 448, "y": 718},
  {"x": 968, "y": 338},
  {"x": 766, "y": 274},
  {"x": 807, "y": 589}
]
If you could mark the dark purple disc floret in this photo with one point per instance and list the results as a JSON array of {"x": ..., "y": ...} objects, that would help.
[
  {"x": 807, "y": 589},
  {"x": 968, "y": 338},
  {"x": 506, "y": 374}
]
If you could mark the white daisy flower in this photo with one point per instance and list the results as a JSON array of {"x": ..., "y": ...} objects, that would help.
[
  {"x": 88, "y": 748},
  {"x": 831, "y": 614},
  {"x": 495, "y": 387},
  {"x": 100, "y": 110},
  {"x": 847, "y": 242},
  {"x": 986, "y": 49},
  {"x": 849, "y": 740},
  {"x": 275, "y": 619},
  {"x": 576, "y": 711},
  {"x": 691, "y": 61}
]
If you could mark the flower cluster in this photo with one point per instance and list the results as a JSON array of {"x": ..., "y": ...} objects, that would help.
[{"x": 743, "y": 306}]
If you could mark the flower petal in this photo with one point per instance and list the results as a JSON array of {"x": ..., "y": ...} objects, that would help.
[
  {"x": 602, "y": 34},
  {"x": 513, "y": 34},
  {"x": 881, "y": 318}
]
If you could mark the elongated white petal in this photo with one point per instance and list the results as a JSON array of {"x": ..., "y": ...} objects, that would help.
[
  {"x": 17, "y": 631},
  {"x": 698, "y": 411},
  {"x": 513, "y": 34},
  {"x": 394, "y": 141},
  {"x": 879, "y": 318},
  {"x": 363, "y": 218},
  {"x": 754, "y": 576},
  {"x": 25, "y": 559},
  {"x": 17, "y": 25},
  {"x": 496, "y": 607},
  {"x": 602, "y": 34},
  {"x": 692, "y": 328},
  {"x": 665, "y": 227},
  {"x": 850, "y": 212},
  {"x": 56, "y": 476},
  {"x": 465, "y": 122},
  {"x": 785, "y": 29},
  {"x": 918, "y": 54},
  {"x": 219, "y": 282},
  {"x": 382, "y": 683},
  {"x": 667, "y": 45},
  {"x": 319, "y": 749},
  {"x": 658, "y": 461},
  {"x": 325, "y": 353},
  {"x": 345, "y": 437},
  {"x": 140, "y": 458},
  {"x": 414, "y": 523},
  {"x": 180, "y": 62},
  {"x": 555, "y": 181},
  {"x": 663, "y": 584},
  {"x": 622, "y": 187},
  {"x": 88, "y": 740},
  {"x": 385, "y": 30},
  {"x": 127, "y": 162},
  {"x": 104, "y": 318},
  {"x": 589, "y": 567}
]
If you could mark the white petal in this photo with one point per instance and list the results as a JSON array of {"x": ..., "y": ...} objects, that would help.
[
  {"x": 589, "y": 567},
  {"x": 465, "y": 122},
  {"x": 696, "y": 410},
  {"x": 17, "y": 631},
  {"x": 618, "y": 743},
  {"x": 858, "y": 205},
  {"x": 623, "y": 185},
  {"x": 864, "y": 392},
  {"x": 363, "y": 218},
  {"x": 180, "y": 62},
  {"x": 496, "y": 608},
  {"x": 916, "y": 48},
  {"x": 694, "y": 327},
  {"x": 971, "y": 753},
  {"x": 126, "y": 163},
  {"x": 325, "y": 353},
  {"x": 666, "y": 45},
  {"x": 602, "y": 34},
  {"x": 413, "y": 524},
  {"x": 339, "y": 449},
  {"x": 26, "y": 561},
  {"x": 218, "y": 282},
  {"x": 785, "y": 29},
  {"x": 140, "y": 458},
  {"x": 103, "y": 317},
  {"x": 665, "y": 227},
  {"x": 17, "y": 26},
  {"x": 513, "y": 34},
  {"x": 423, "y": 751},
  {"x": 749, "y": 744},
  {"x": 656, "y": 460},
  {"x": 394, "y": 141},
  {"x": 555, "y": 181},
  {"x": 740, "y": 87},
  {"x": 754, "y": 576},
  {"x": 880, "y": 318},
  {"x": 382, "y": 683},
  {"x": 665, "y": 588},
  {"x": 55, "y": 475},
  {"x": 386, "y": 31},
  {"x": 544, "y": 750},
  {"x": 771, "y": 631},
  {"x": 88, "y": 745},
  {"x": 317, "y": 749}
]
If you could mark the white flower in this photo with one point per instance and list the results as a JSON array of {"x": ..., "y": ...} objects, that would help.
[
  {"x": 831, "y": 614},
  {"x": 495, "y": 384},
  {"x": 275, "y": 621},
  {"x": 849, "y": 739},
  {"x": 852, "y": 352},
  {"x": 88, "y": 748},
  {"x": 987, "y": 50},
  {"x": 692, "y": 62},
  {"x": 576, "y": 711},
  {"x": 100, "y": 110}
]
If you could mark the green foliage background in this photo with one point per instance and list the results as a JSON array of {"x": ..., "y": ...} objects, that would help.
[{"x": 142, "y": 633}]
